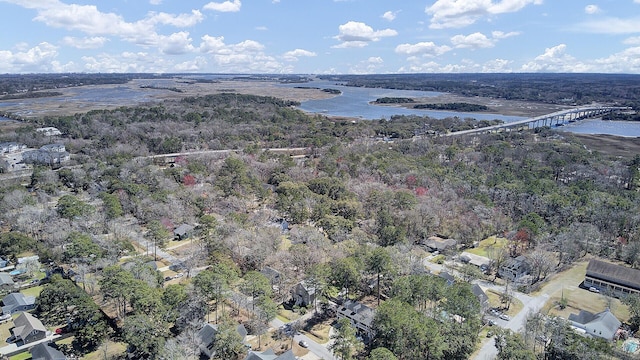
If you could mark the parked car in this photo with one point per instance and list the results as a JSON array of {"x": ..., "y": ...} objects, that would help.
[
  {"x": 5, "y": 317},
  {"x": 504, "y": 317},
  {"x": 594, "y": 289},
  {"x": 303, "y": 343}
]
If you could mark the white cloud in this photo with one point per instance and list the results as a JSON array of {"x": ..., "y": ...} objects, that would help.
[
  {"x": 611, "y": 25},
  {"x": 293, "y": 55},
  {"x": 461, "y": 13},
  {"x": 155, "y": 2},
  {"x": 504, "y": 35},
  {"x": 245, "y": 56},
  {"x": 555, "y": 59},
  {"x": 479, "y": 40},
  {"x": 369, "y": 66},
  {"x": 262, "y": 28},
  {"x": 227, "y": 6},
  {"x": 358, "y": 34},
  {"x": 626, "y": 61},
  {"x": 176, "y": 43},
  {"x": 475, "y": 41},
  {"x": 94, "y": 42},
  {"x": 195, "y": 65},
  {"x": 182, "y": 20},
  {"x": 591, "y": 9},
  {"x": 634, "y": 40},
  {"x": 422, "y": 48},
  {"x": 390, "y": 15},
  {"x": 39, "y": 58},
  {"x": 497, "y": 66}
]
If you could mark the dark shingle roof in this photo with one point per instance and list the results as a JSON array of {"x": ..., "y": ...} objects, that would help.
[
  {"x": 614, "y": 273},
  {"x": 44, "y": 352}
]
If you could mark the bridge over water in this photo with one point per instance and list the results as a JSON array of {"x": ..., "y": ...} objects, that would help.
[{"x": 553, "y": 119}]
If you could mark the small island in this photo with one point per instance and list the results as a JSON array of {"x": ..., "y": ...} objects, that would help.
[
  {"x": 394, "y": 100},
  {"x": 456, "y": 106}
]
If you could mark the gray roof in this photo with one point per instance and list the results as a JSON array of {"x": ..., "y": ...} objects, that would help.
[
  {"x": 42, "y": 351},
  {"x": 477, "y": 291},
  {"x": 183, "y": 229},
  {"x": 438, "y": 243},
  {"x": 14, "y": 300},
  {"x": 208, "y": 333},
  {"x": 270, "y": 355},
  {"x": 5, "y": 279},
  {"x": 613, "y": 273},
  {"x": 358, "y": 312},
  {"x": 604, "y": 320},
  {"x": 25, "y": 324}
]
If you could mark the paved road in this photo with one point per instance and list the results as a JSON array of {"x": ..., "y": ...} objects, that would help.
[
  {"x": 320, "y": 350},
  {"x": 531, "y": 304}
]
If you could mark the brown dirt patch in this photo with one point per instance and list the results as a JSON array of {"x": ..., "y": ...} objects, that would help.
[{"x": 625, "y": 147}]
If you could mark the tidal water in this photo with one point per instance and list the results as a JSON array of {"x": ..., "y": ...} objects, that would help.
[{"x": 355, "y": 102}]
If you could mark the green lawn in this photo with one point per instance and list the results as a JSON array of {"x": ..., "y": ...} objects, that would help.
[
  {"x": 494, "y": 301},
  {"x": 22, "y": 356},
  {"x": 492, "y": 241},
  {"x": 34, "y": 291},
  {"x": 566, "y": 284}
]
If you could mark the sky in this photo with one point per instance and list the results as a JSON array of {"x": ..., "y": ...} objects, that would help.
[{"x": 320, "y": 36}]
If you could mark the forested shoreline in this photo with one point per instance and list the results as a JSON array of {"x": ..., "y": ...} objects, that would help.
[{"x": 365, "y": 195}]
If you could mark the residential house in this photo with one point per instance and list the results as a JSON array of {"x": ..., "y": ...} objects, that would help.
[
  {"x": 47, "y": 154},
  {"x": 270, "y": 355},
  {"x": 435, "y": 243},
  {"x": 44, "y": 351},
  {"x": 612, "y": 279},
  {"x": 6, "y": 281},
  {"x": 303, "y": 294},
  {"x": 515, "y": 269},
  {"x": 361, "y": 317},
  {"x": 450, "y": 279},
  {"x": 182, "y": 232},
  {"x": 274, "y": 276},
  {"x": 28, "y": 329},
  {"x": 207, "y": 337},
  {"x": 11, "y": 147},
  {"x": 482, "y": 262},
  {"x": 481, "y": 295},
  {"x": 603, "y": 325},
  {"x": 15, "y": 302},
  {"x": 49, "y": 131}
]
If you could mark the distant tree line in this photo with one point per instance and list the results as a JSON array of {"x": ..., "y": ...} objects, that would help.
[
  {"x": 569, "y": 89},
  {"x": 457, "y": 106}
]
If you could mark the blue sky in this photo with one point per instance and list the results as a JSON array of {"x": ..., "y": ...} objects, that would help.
[{"x": 320, "y": 36}]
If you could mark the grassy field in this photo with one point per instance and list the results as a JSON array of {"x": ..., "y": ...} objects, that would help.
[
  {"x": 494, "y": 301},
  {"x": 34, "y": 291},
  {"x": 492, "y": 241},
  {"x": 113, "y": 349},
  {"x": 319, "y": 333},
  {"x": 267, "y": 341},
  {"x": 566, "y": 284}
]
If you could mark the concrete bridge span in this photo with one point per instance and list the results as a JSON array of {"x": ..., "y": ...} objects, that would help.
[{"x": 553, "y": 119}]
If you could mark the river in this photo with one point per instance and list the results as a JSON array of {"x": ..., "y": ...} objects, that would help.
[{"x": 356, "y": 102}]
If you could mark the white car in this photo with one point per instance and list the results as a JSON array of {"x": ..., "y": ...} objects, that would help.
[
  {"x": 594, "y": 289},
  {"x": 5, "y": 317}
]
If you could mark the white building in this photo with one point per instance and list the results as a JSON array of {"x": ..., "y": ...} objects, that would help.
[{"x": 49, "y": 131}]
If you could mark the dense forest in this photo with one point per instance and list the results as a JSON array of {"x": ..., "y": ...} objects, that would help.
[{"x": 357, "y": 203}]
